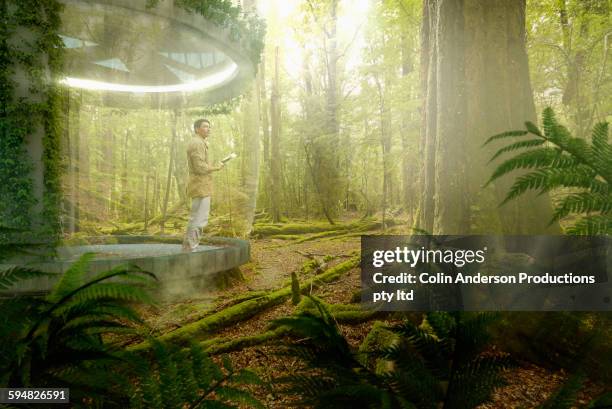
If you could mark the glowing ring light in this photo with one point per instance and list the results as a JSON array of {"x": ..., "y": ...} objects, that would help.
[{"x": 161, "y": 56}]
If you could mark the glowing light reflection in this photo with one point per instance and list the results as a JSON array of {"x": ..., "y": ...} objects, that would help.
[{"x": 209, "y": 81}]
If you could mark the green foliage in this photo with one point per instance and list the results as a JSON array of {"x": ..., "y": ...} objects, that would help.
[
  {"x": 23, "y": 113},
  {"x": 437, "y": 364},
  {"x": 295, "y": 289},
  {"x": 566, "y": 396},
  {"x": 61, "y": 340},
  {"x": 57, "y": 340},
  {"x": 188, "y": 378},
  {"x": 556, "y": 160}
]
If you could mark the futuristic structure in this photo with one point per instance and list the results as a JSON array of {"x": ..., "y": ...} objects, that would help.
[
  {"x": 138, "y": 56},
  {"x": 162, "y": 56}
]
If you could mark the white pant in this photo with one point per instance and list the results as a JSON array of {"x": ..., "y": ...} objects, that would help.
[{"x": 200, "y": 208}]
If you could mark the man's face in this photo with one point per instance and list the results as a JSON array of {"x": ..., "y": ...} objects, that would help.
[{"x": 204, "y": 129}]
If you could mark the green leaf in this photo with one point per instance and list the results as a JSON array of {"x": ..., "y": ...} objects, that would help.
[
  {"x": 532, "y": 128},
  {"x": 518, "y": 145},
  {"x": 510, "y": 134},
  {"x": 15, "y": 274},
  {"x": 71, "y": 279},
  {"x": 227, "y": 363}
]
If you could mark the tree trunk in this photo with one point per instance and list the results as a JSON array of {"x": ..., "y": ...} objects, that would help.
[
  {"x": 265, "y": 125},
  {"x": 408, "y": 165},
  {"x": 249, "y": 182},
  {"x": 124, "y": 178},
  {"x": 169, "y": 177},
  {"x": 275, "y": 142},
  {"x": 477, "y": 85}
]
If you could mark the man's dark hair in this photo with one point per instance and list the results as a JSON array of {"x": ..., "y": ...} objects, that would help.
[{"x": 198, "y": 123}]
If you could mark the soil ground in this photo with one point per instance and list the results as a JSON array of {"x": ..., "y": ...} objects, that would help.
[{"x": 273, "y": 260}]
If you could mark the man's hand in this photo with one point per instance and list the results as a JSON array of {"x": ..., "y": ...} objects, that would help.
[{"x": 220, "y": 165}]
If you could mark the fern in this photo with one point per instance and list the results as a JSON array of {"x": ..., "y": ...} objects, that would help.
[
  {"x": 556, "y": 160},
  {"x": 15, "y": 274},
  {"x": 57, "y": 340},
  {"x": 437, "y": 364},
  {"x": 566, "y": 395},
  {"x": 177, "y": 379}
]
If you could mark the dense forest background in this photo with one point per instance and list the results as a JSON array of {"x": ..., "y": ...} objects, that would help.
[
  {"x": 364, "y": 118},
  {"x": 342, "y": 120}
]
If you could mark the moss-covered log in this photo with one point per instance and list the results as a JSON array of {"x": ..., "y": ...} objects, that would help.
[
  {"x": 246, "y": 309},
  {"x": 285, "y": 230},
  {"x": 225, "y": 345}
]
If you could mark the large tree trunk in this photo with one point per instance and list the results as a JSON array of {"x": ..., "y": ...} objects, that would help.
[
  {"x": 247, "y": 200},
  {"x": 477, "y": 85},
  {"x": 265, "y": 196}
]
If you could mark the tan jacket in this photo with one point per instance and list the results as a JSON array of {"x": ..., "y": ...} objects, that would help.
[{"x": 200, "y": 178}]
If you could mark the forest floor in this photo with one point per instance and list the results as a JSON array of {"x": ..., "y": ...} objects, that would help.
[{"x": 273, "y": 260}]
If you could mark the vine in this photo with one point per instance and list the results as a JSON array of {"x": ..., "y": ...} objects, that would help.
[{"x": 30, "y": 105}]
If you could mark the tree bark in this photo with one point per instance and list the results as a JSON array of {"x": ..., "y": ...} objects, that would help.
[
  {"x": 275, "y": 142},
  {"x": 169, "y": 177},
  {"x": 477, "y": 85}
]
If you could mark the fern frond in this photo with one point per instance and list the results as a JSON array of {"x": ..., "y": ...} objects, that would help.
[
  {"x": 433, "y": 350},
  {"x": 126, "y": 271},
  {"x": 473, "y": 382},
  {"x": 168, "y": 376},
  {"x": 247, "y": 377},
  {"x": 117, "y": 291},
  {"x": 601, "y": 402},
  {"x": 550, "y": 178},
  {"x": 472, "y": 334},
  {"x": 592, "y": 225},
  {"x": 532, "y": 128},
  {"x": 584, "y": 202},
  {"x": 204, "y": 369},
  {"x": 549, "y": 122},
  {"x": 530, "y": 143},
  {"x": 413, "y": 380},
  {"x": 535, "y": 158},
  {"x": 566, "y": 395},
  {"x": 71, "y": 279},
  {"x": 599, "y": 139},
  {"x": 15, "y": 274},
  {"x": 213, "y": 404},
  {"x": 236, "y": 395},
  {"x": 510, "y": 134},
  {"x": 441, "y": 322}
]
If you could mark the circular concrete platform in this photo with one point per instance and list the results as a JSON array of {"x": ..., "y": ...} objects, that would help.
[{"x": 179, "y": 273}]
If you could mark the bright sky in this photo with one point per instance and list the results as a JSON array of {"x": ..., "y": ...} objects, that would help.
[{"x": 352, "y": 17}]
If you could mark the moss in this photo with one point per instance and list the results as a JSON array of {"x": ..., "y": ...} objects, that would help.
[
  {"x": 377, "y": 339},
  {"x": 287, "y": 236},
  {"x": 227, "y": 278},
  {"x": 216, "y": 346},
  {"x": 247, "y": 309},
  {"x": 247, "y": 296},
  {"x": 346, "y": 313},
  {"x": 225, "y": 345},
  {"x": 295, "y": 289}
]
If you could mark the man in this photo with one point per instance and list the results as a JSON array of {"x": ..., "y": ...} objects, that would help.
[{"x": 199, "y": 186}]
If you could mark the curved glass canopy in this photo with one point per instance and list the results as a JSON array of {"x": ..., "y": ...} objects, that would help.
[{"x": 119, "y": 46}]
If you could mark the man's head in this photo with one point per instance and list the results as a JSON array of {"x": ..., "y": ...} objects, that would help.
[{"x": 202, "y": 127}]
